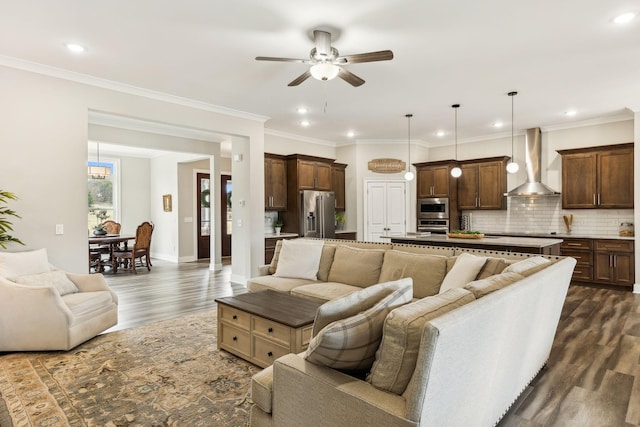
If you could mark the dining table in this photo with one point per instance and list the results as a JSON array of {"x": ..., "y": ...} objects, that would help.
[{"x": 113, "y": 241}]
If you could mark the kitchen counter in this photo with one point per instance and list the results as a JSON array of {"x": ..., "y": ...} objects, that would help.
[
  {"x": 547, "y": 246},
  {"x": 559, "y": 235},
  {"x": 281, "y": 235}
]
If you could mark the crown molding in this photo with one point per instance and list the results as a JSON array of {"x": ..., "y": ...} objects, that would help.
[
  {"x": 60, "y": 73},
  {"x": 622, "y": 117},
  {"x": 295, "y": 137},
  {"x": 415, "y": 142}
]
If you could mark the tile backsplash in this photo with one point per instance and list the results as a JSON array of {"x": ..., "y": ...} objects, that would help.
[{"x": 544, "y": 215}]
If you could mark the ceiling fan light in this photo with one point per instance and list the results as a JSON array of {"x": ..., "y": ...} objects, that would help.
[
  {"x": 324, "y": 71},
  {"x": 456, "y": 172}
]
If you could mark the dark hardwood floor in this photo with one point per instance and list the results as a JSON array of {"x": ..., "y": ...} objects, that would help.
[{"x": 592, "y": 377}]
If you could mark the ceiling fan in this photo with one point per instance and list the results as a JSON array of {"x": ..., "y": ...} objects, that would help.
[{"x": 326, "y": 63}]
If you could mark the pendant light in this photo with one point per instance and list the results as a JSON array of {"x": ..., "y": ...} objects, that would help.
[
  {"x": 456, "y": 172},
  {"x": 93, "y": 171},
  {"x": 512, "y": 167},
  {"x": 409, "y": 175}
]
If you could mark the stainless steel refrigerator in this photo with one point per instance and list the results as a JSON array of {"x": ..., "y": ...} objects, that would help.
[{"x": 317, "y": 214}]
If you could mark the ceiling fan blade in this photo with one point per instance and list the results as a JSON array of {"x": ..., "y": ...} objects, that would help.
[
  {"x": 350, "y": 78},
  {"x": 270, "y": 58},
  {"x": 304, "y": 76},
  {"x": 383, "y": 55}
]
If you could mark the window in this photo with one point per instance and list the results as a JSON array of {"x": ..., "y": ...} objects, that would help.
[{"x": 101, "y": 191}]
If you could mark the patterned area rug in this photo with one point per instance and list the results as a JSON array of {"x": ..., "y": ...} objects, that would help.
[{"x": 168, "y": 373}]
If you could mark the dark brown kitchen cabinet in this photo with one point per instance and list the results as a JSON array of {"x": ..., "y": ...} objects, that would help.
[
  {"x": 483, "y": 184},
  {"x": 598, "y": 177},
  {"x": 434, "y": 179},
  {"x": 314, "y": 175},
  {"x": 338, "y": 184},
  {"x": 582, "y": 251},
  {"x": 614, "y": 262},
  {"x": 275, "y": 182}
]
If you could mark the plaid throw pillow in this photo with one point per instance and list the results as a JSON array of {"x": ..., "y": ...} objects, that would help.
[{"x": 351, "y": 343}]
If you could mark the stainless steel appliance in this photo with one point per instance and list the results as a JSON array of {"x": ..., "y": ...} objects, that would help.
[
  {"x": 317, "y": 214},
  {"x": 433, "y": 215}
]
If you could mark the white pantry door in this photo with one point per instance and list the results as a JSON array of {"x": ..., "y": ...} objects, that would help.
[{"x": 386, "y": 210}]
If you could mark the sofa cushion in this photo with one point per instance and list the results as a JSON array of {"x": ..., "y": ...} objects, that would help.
[
  {"x": 465, "y": 270},
  {"x": 526, "y": 264},
  {"x": 56, "y": 279},
  {"x": 276, "y": 257},
  {"x": 324, "y": 291},
  {"x": 427, "y": 271},
  {"x": 351, "y": 343},
  {"x": 483, "y": 287},
  {"x": 492, "y": 266},
  {"x": 14, "y": 264},
  {"x": 357, "y": 267},
  {"x": 280, "y": 284},
  {"x": 299, "y": 259},
  {"x": 353, "y": 303},
  {"x": 396, "y": 358},
  {"x": 83, "y": 303},
  {"x": 328, "y": 251}
]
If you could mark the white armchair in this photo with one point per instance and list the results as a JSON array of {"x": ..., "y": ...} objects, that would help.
[{"x": 51, "y": 309}]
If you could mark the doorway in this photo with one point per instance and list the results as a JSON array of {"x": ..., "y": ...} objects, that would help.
[
  {"x": 385, "y": 210},
  {"x": 203, "y": 188},
  {"x": 226, "y": 214}
]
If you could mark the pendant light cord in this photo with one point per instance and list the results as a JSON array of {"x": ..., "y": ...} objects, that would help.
[
  {"x": 512, "y": 94},
  {"x": 455, "y": 128},
  {"x": 408, "y": 116}
]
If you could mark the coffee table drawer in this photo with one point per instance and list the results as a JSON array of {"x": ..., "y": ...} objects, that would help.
[
  {"x": 235, "y": 339},
  {"x": 236, "y": 317},
  {"x": 271, "y": 330},
  {"x": 265, "y": 351}
]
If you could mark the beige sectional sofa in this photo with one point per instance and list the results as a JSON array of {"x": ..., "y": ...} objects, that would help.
[{"x": 452, "y": 354}]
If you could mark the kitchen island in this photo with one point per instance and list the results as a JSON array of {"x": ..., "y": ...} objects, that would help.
[{"x": 543, "y": 246}]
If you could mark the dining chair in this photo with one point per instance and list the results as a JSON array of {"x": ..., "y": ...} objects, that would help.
[
  {"x": 140, "y": 248},
  {"x": 111, "y": 226}
]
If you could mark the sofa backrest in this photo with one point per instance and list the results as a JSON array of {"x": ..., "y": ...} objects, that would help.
[{"x": 458, "y": 354}]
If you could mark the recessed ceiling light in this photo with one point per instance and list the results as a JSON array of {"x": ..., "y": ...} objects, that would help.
[
  {"x": 351, "y": 134},
  {"x": 305, "y": 123},
  {"x": 75, "y": 48},
  {"x": 570, "y": 113},
  {"x": 440, "y": 133},
  {"x": 302, "y": 110},
  {"x": 624, "y": 18},
  {"x": 498, "y": 124}
]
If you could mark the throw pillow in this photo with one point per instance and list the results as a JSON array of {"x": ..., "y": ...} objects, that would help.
[
  {"x": 299, "y": 259},
  {"x": 496, "y": 282},
  {"x": 491, "y": 267},
  {"x": 276, "y": 256},
  {"x": 356, "y": 267},
  {"x": 351, "y": 343},
  {"x": 57, "y": 279},
  {"x": 526, "y": 264},
  {"x": 427, "y": 271},
  {"x": 465, "y": 270},
  {"x": 353, "y": 303},
  {"x": 14, "y": 264},
  {"x": 328, "y": 251},
  {"x": 396, "y": 358}
]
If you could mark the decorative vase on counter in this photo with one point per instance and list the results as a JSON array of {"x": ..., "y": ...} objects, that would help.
[{"x": 278, "y": 230}]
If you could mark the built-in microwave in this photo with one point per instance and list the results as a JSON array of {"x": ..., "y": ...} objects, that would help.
[
  {"x": 436, "y": 226},
  {"x": 433, "y": 208}
]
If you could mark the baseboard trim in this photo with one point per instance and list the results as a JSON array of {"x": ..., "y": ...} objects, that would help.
[
  {"x": 238, "y": 280},
  {"x": 165, "y": 257}
]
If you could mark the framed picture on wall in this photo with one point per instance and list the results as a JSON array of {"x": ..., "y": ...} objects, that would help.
[{"x": 166, "y": 202}]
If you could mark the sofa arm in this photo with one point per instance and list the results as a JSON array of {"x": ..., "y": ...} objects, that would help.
[
  {"x": 303, "y": 391},
  {"x": 263, "y": 270},
  {"x": 91, "y": 283}
]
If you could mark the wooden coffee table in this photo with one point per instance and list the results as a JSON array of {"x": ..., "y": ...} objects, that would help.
[{"x": 262, "y": 326}]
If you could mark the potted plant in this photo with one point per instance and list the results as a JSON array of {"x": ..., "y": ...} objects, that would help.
[
  {"x": 278, "y": 226},
  {"x": 99, "y": 230},
  {"x": 5, "y": 224},
  {"x": 340, "y": 220}
]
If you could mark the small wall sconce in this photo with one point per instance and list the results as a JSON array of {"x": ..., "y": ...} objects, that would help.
[{"x": 166, "y": 202}]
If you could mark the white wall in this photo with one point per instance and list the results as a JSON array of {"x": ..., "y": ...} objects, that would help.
[
  {"x": 135, "y": 193},
  {"x": 289, "y": 144},
  {"x": 44, "y": 134}
]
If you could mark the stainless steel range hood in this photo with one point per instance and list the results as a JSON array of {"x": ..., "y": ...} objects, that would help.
[{"x": 533, "y": 165}]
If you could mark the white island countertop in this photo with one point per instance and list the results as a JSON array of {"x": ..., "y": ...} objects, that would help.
[{"x": 486, "y": 241}]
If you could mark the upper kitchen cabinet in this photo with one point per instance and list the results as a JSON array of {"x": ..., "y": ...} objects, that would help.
[
  {"x": 434, "y": 179},
  {"x": 313, "y": 173},
  {"x": 275, "y": 182},
  {"x": 338, "y": 187},
  {"x": 598, "y": 177},
  {"x": 483, "y": 184}
]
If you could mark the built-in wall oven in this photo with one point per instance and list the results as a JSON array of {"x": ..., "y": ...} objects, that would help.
[{"x": 433, "y": 215}]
